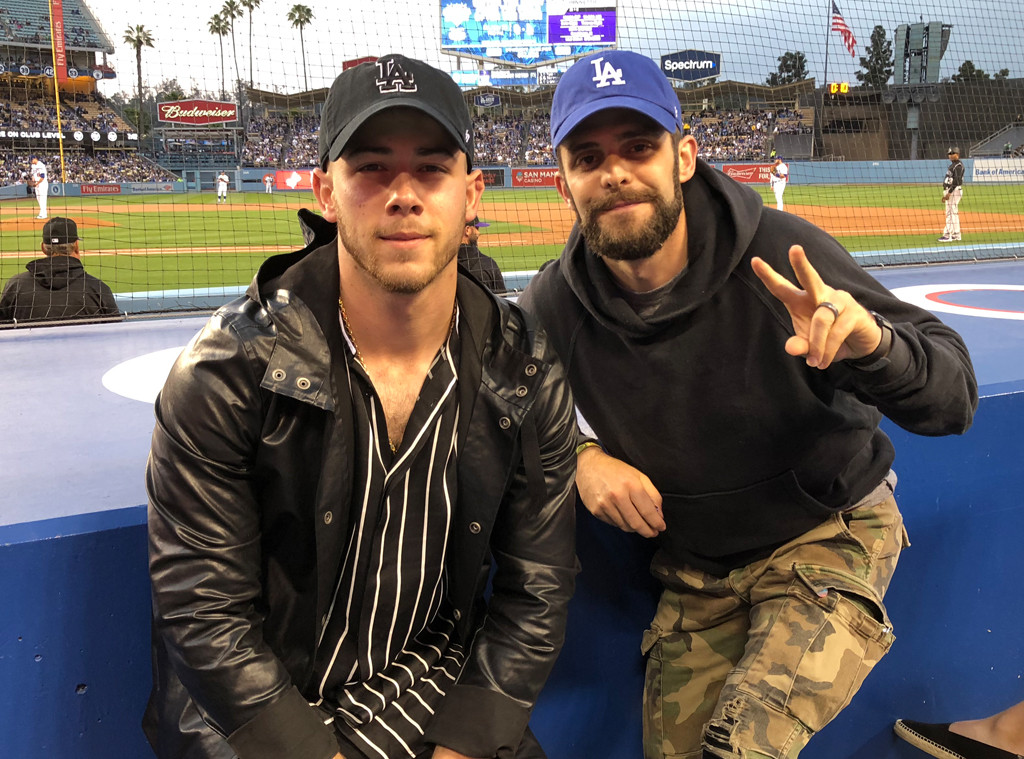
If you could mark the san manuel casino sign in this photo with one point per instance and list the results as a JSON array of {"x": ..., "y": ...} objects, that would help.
[{"x": 197, "y": 112}]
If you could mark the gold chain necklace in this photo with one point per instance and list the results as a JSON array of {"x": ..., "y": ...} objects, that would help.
[{"x": 359, "y": 356}]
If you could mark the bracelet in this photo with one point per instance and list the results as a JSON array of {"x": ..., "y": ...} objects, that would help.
[{"x": 588, "y": 444}]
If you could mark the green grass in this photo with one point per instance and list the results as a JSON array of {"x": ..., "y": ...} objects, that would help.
[
  {"x": 134, "y": 224},
  {"x": 980, "y": 197}
]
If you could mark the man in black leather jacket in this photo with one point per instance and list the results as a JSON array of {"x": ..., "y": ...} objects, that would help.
[{"x": 341, "y": 455}]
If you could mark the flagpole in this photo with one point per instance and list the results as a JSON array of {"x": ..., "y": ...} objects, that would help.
[{"x": 828, "y": 34}]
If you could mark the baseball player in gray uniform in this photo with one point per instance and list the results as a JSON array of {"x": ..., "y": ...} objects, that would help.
[{"x": 952, "y": 191}]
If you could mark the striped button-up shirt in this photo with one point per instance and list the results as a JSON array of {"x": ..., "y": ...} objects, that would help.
[{"x": 387, "y": 652}]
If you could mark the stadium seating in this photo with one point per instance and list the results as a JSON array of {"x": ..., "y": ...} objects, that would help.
[{"x": 28, "y": 21}]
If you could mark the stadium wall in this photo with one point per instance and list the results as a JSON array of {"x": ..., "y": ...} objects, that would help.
[
  {"x": 58, "y": 189},
  {"x": 74, "y": 633},
  {"x": 803, "y": 172}
]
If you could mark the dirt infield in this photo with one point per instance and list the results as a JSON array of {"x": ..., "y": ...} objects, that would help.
[
  {"x": 21, "y": 223},
  {"x": 555, "y": 221},
  {"x": 852, "y": 220}
]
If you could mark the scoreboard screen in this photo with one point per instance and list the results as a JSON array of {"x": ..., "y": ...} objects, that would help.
[{"x": 526, "y": 31}]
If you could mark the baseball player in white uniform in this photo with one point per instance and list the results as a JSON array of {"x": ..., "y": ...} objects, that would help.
[
  {"x": 779, "y": 177},
  {"x": 952, "y": 191},
  {"x": 40, "y": 184},
  {"x": 222, "y": 187},
  {"x": 268, "y": 182}
]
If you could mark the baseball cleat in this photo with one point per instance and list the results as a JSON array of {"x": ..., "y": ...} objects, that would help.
[{"x": 945, "y": 238}]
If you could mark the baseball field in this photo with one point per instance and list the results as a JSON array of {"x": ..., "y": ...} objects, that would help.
[{"x": 173, "y": 242}]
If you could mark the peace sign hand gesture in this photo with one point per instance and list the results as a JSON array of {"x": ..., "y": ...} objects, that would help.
[{"x": 829, "y": 324}]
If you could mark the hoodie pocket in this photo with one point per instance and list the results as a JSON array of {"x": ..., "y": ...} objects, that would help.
[{"x": 730, "y": 522}]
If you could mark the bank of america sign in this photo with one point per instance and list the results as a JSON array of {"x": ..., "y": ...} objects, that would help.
[{"x": 692, "y": 65}]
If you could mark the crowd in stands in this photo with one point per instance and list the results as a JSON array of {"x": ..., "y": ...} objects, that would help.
[
  {"x": 729, "y": 135},
  {"x": 281, "y": 141},
  {"x": 291, "y": 141},
  {"x": 98, "y": 167},
  {"x": 78, "y": 31},
  {"x": 788, "y": 121},
  {"x": 88, "y": 114}
]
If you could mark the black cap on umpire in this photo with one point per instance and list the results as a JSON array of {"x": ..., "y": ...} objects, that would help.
[{"x": 389, "y": 82}]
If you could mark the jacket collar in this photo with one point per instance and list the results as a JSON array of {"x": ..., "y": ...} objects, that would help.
[{"x": 299, "y": 292}]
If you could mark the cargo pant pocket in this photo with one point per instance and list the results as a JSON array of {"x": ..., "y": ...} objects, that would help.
[{"x": 845, "y": 632}]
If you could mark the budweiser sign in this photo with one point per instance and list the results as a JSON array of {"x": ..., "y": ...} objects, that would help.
[
  {"x": 197, "y": 112},
  {"x": 748, "y": 173}
]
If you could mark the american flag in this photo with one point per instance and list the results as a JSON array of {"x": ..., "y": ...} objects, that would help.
[{"x": 839, "y": 25}]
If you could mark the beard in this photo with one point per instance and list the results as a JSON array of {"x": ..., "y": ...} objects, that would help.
[
  {"x": 397, "y": 279},
  {"x": 623, "y": 243}
]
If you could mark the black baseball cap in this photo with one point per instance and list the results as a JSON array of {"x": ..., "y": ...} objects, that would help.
[
  {"x": 952, "y": 150},
  {"x": 477, "y": 223},
  {"x": 60, "y": 231},
  {"x": 389, "y": 82}
]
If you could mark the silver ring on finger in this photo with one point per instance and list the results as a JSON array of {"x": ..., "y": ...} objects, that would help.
[{"x": 830, "y": 306}]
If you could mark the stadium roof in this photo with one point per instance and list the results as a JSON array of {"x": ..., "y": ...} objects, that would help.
[
  {"x": 297, "y": 100},
  {"x": 81, "y": 29}
]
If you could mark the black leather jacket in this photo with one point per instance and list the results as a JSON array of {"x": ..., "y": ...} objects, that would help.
[{"x": 249, "y": 514}]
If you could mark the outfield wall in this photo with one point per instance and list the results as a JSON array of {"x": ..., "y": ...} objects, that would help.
[
  {"x": 96, "y": 189},
  {"x": 543, "y": 177}
]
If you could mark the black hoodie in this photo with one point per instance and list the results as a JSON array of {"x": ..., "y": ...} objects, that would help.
[
  {"x": 55, "y": 287},
  {"x": 748, "y": 446}
]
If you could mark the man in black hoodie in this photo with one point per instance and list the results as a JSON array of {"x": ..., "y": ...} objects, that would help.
[
  {"x": 735, "y": 416},
  {"x": 57, "y": 286}
]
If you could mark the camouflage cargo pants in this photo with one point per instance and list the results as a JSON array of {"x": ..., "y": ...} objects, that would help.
[{"x": 754, "y": 664}]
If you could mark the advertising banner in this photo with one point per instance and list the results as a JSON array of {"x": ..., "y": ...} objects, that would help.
[
  {"x": 291, "y": 179},
  {"x": 692, "y": 65},
  {"x": 748, "y": 173},
  {"x": 77, "y": 136},
  {"x": 494, "y": 177},
  {"x": 197, "y": 112},
  {"x": 60, "y": 54},
  {"x": 101, "y": 189},
  {"x": 534, "y": 177},
  {"x": 486, "y": 100},
  {"x": 998, "y": 170},
  {"x": 356, "y": 61}
]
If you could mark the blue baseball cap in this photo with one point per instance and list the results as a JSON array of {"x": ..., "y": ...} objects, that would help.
[{"x": 613, "y": 79}]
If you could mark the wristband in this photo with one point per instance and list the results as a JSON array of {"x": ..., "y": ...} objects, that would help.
[{"x": 588, "y": 444}]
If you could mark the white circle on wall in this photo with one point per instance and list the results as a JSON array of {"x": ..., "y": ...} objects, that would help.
[
  {"x": 141, "y": 378},
  {"x": 933, "y": 298}
]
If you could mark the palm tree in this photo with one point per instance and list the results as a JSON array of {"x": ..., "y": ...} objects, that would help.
[
  {"x": 220, "y": 27},
  {"x": 300, "y": 15},
  {"x": 250, "y": 5},
  {"x": 138, "y": 37},
  {"x": 232, "y": 9}
]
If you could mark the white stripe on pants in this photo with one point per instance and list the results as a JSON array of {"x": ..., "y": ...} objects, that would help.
[{"x": 952, "y": 228}]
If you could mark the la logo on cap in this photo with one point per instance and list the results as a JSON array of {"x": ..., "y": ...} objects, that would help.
[
  {"x": 392, "y": 77},
  {"x": 607, "y": 75}
]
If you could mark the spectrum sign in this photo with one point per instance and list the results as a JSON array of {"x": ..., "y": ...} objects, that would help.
[{"x": 692, "y": 65}]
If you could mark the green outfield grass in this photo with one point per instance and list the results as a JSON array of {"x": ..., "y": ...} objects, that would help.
[{"x": 136, "y": 226}]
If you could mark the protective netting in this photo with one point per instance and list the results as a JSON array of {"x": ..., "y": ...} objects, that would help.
[{"x": 861, "y": 100}]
